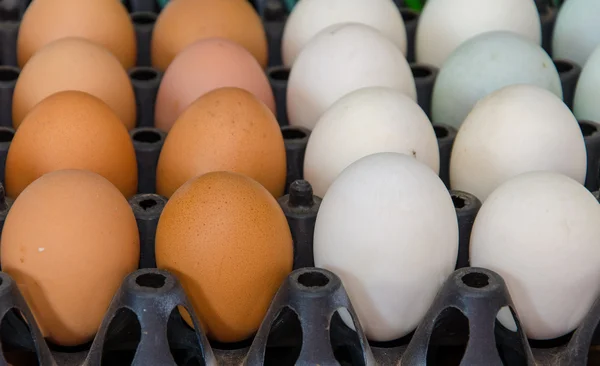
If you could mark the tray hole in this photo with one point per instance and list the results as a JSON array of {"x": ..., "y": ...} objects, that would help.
[
  {"x": 420, "y": 71},
  {"x": 144, "y": 74},
  {"x": 293, "y": 134},
  {"x": 122, "y": 339},
  {"x": 6, "y": 135},
  {"x": 143, "y": 18},
  {"x": 345, "y": 342},
  {"x": 148, "y": 204},
  {"x": 149, "y": 137},
  {"x": 151, "y": 280},
  {"x": 476, "y": 280},
  {"x": 313, "y": 279},
  {"x": 587, "y": 129},
  {"x": 509, "y": 338},
  {"x": 184, "y": 343},
  {"x": 8, "y": 74},
  {"x": 408, "y": 15},
  {"x": 563, "y": 66},
  {"x": 285, "y": 339},
  {"x": 440, "y": 132},
  {"x": 17, "y": 342},
  {"x": 449, "y": 339},
  {"x": 280, "y": 74},
  {"x": 459, "y": 203}
]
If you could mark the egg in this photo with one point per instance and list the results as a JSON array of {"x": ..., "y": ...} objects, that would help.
[
  {"x": 364, "y": 122},
  {"x": 387, "y": 227},
  {"x": 226, "y": 239},
  {"x": 446, "y": 24},
  {"x": 576, "y": 31},
  {"x": 338, "y": 60},
  {"x": 540, "y": 231},
  {"x": 48, "y": 20},
  {"x": 226, "y": 129},
  {"x": 71, "y": 130},
  {"x": 205, "y": 66},
  {"x": 517, "y": 129},
  {"x": 585, "y": 103},
  {"x": 309, "y": 17},
  {"x": 184, "y": 22},
  {"x": 74, "y": 64},
  {"x": 68, "y": 242},
  {"x": 484, "y": 64}
]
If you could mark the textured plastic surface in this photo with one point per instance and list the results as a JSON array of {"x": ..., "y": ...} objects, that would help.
[
  {"x": 307, "y": 330},
  {"x": 569, "y": 75},
  {"x": 155, "y": 334},
  {"x": 425, "y": 76},
  {"x": 295, "y": 139},
  {"x": 591, "y": 135},
  {"x": 411, "y": 19},
  {"x": 147, "y": 142},
  {"x": 145, "y": 81},
  {"x": 147, "y": 208},
  {"x": 6, "y": 136},
  {"x": 143, "y": 22},
  {"x": 445, "y": 137},
  {"x": 467, "y": 206},
  {"x": 300, "y": 207},
  {"x": 278, "y": 78}
]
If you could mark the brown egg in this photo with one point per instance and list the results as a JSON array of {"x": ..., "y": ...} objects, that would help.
[
  {"x": 68, "y": 242},
  {"x": 205, "y": 66},
  {"x": 183, "y": 22},
  {"x": 104, "y": 22},
  {"x": 71, "y": 130},
  {"x": 74, "y": 64},
  {"x": 227, "y": 240},
  {"x": 227, "y": 129}
]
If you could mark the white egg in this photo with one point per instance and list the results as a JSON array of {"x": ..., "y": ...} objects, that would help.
[
  {"x": 309, "y": 17},
  {"x": 387, "y": 227},
  {"x": 577, "y": 30},
  {"x": 485, "y": 64},
  {"x": 517, "y": 129},
  {"x": 540, "y": 232},
  {"x": 585, "y": 103},
  {"x": 364, "y": 122},
  {"x": 340, "y": 59},
  {"x": 445, "y": 24}
]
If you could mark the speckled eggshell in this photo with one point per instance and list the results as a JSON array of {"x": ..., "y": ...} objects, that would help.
[
  {"x": 309, "y": 17},
  {"x": 577, "y": 31},
  {"x": 104, "y": 22},
  {"x": 446, "y": 24},
  {"x": 184, "y": 22},
  {"x": 204, "y": 66},
  {"x": 484, "y": 64},
  {"x": 340, "y": 59},
  {"x": 515, "y": 130},
  {"x": 227, "y": 240},
  {"x": 74, "y": 64},
  {"x": 71, "y": 130},
  {"x": 226, "y": 129},
  {"x": 68, "y": 242},
  {"x": 364, "y": 122}
]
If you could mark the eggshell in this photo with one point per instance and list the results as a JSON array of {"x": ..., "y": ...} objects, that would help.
[
  {"x": 205, "y": 66},
  {"x": 340, "y": 59},
  {"x": 517, "y": 129},
  {"x": 184, "y": 22},
  {"x": 576, "y": 31},
  {"x": 227, "y": 240},
  {"x": 540, "y": 232},
  {"x": 484, "y": 64},
  {"x": 387, "y": 226},
  {"x": 68, "y": 242},
  {"x": 226, "y": 129},
  {"x": 309, "y": 17},
  {"x": 585, "y": 103},
  {"x": 71, "y": 130},
  {"x": 445, "y": 24},
  {"x": 364, "y": 122},
  {"x": 104, "y": 22},
  {"x": 74, "y": 64}
]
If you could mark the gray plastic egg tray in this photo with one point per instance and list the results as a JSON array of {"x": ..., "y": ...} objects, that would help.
[{"x": 303, "y": 325}]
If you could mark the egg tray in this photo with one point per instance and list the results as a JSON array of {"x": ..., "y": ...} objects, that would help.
[{"x": 305, "y": 323}]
